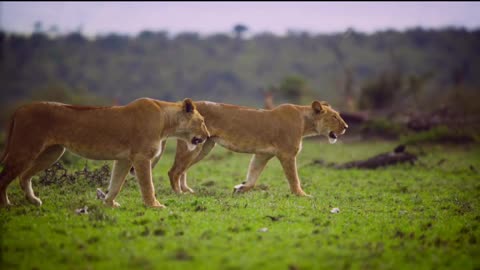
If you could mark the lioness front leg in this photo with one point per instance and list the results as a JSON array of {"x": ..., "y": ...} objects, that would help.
[
  {"x": 289, "y": 165},
  {"x": 119, "y": 172},
  {"x": 257, "y": 164},
  {"x": 143, "y": 170}
]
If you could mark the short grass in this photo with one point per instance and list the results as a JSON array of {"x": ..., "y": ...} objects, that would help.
[{"x": 424, "y": 216}]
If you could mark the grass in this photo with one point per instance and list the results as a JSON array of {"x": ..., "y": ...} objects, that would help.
[{"x": 423, "y": 216}]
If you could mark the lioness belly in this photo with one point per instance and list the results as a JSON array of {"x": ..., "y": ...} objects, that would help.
[
  {"x": 246, "y": 147},
  {"x": 99, "y": 152}
]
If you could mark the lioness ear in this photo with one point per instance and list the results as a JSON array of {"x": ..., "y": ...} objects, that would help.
[
  {"x": 188, "y": 105},
  {"x": 317, "y": 107}
]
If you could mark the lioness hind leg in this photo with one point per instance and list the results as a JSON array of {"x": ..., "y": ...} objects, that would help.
[
  {"x": 183, "y": 184},
  {"x": 42, "y": 162},
  {"x": 257, "y": 164},
  {"x": 206, "y": 149},
  {"x": 8, "y": 174},
  {"x": 185, "y": 159},
  {"x": 6, "y": 177},
  {"x": 119, "y": 172}
]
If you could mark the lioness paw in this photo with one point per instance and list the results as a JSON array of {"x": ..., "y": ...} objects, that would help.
[
  {"x": 112, "y": 204},
  {"x": 241, "y": 188},
  {"x": 237, "y": 188},
  {"x": 156, "y": 204},
  {"x": 187, "y": 190},
  {"x": 36, "y": 201},
  {"x": 302, "y": 193}
]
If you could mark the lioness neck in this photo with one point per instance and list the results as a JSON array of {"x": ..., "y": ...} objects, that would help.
[
  {"x": 308, "y": 122},
  {"x": 170, "y": 117}
]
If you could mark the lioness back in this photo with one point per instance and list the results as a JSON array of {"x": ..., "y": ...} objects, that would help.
[{"x": 251, "y": 129}]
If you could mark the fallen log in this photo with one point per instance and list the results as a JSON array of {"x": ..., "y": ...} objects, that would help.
[{"x": 399, "y": 155}]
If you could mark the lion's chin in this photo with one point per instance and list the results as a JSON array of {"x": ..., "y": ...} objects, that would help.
[
  {"x": 191, "y": 146},
  {"x": 332, "y": 137}
]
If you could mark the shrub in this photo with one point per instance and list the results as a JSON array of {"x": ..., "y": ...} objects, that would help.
[
  {"x": 383, "y": 127},
  {"x": 439, "y": 134}
]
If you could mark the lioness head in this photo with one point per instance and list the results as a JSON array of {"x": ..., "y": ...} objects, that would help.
[
  {"x": 192, "y": 127},
  {"x": 327, "y": 121}
]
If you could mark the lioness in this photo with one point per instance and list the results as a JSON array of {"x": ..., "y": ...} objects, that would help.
[
  {"x": 264, "y": 133},
  {"x": 131, "y": 135}
]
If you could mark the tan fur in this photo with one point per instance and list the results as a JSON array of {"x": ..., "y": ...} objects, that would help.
[
  {"x": 264, "y": 133},
  {"x": 130, "y": 135}
]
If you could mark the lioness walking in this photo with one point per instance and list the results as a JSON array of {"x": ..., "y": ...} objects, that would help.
[
  {"x": 131, "y": 135},
  {"x": 264, "y": 133}
]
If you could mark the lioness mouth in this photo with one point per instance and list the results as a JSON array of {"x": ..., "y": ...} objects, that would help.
[
  {"x": 197, "y": 140},
  {"x": 332, "y": 137}
]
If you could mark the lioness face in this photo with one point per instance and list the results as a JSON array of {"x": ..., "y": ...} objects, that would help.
[
  {"x": 328, "y": 122},
  {"x": 192, "y": 127}
]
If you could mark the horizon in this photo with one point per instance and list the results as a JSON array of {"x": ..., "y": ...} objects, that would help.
[{"x": 210, "y": 18}]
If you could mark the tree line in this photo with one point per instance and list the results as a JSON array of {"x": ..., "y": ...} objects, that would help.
[{"x": 351, "y": 70}]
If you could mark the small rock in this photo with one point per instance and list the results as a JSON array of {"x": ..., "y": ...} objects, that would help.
[
  {"x": 335, "y": 210},
  {"x": 263, "y": 230},
  {"x": 83, "y": 210}
]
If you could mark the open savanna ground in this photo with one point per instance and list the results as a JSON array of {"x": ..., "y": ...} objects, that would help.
[{"x": 422, "y": 216}]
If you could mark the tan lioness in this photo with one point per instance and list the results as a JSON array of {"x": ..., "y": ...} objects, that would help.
[
  {"x": 264, "y": 133},
  {"x": 131, "y": 135}
]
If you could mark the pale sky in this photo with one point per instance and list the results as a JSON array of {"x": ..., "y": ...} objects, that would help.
[{"x": 213, "y": 17}]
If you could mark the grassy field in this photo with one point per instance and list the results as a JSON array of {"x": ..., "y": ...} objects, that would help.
[{"x": 424, "y": 216}]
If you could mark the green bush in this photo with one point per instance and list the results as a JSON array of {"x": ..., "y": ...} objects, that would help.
[
  {"x": 440, "y": 134},
  {"x": 380, "y": 93},
  {"x": 383, "y": 127}
]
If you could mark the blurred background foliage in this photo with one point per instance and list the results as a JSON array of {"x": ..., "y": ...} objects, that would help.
[{"x": 385, "y": 73}]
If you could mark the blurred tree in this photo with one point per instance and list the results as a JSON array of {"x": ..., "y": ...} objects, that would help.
[
  {"x": 53, "y": 30},
  {"x": 239, "y": 30},
  {"x": 416, "y": 85},
  {"x": 348, "y": 89},
  {"x": 294, "y": 88},
  {"x": 188, "y": 37},
  {"x": 380, "y": 93},
  {"x": 75, "y": 38},
  {"x": 230, "y": 69},
  {"x": 113, "y": 41},
  {"x": 268, "y": 98},
  {"x": 59, "y": 92},
  {"x": 38, "y": 27},
  {"x": 2, "y": 45},
  {"x": 347, "y": 81}
]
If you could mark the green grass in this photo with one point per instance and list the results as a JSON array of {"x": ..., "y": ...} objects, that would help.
[{"x": 403, "y": 217}]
